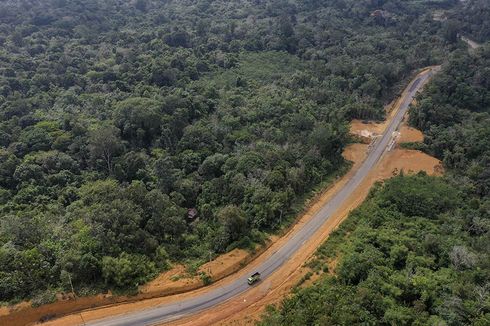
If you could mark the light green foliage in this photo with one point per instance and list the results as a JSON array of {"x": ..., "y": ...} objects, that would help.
[
  {"x": 399, "y": 269},
  {"x": 127, "y": 270},
  {"x": 454, "y": 113},
  {"x": 420, "y": 197},
  {"x": 205, "y": 278},
  {"x": 116, "y": 117},
  {"x": 417, "y": 251}
]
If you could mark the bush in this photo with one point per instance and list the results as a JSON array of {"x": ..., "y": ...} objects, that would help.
[
  {"x": 205, "y": 278},
  {"x": 414, "y": 145},
  {"x": 127, "y": 270},
  {"x": 48, "y": 296}
]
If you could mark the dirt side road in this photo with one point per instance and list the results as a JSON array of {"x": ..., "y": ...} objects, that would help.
[{"x": 472, "y": 44}]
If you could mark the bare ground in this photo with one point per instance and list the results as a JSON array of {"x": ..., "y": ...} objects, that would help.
[
  {"x": 355, "y": 152},
  {"x": 409, "y": 135},
  {"x": 248, "y": 307},
  {"x": 238, "y": 312},
  {"x": 472, "y": 44}
]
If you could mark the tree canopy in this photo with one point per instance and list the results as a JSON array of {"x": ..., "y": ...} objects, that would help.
[
  {"x": 400, "y": 264},
  {"x": 417, "y": 251},
  {"x": 118, "y": 118}
]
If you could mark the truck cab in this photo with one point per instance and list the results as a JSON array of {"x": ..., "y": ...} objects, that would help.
[{"x": 255, "y": 277}]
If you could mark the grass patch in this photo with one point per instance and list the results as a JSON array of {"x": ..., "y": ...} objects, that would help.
[
  {"x": 175, "y": 278},
  {"x": 260, "y": 68}
]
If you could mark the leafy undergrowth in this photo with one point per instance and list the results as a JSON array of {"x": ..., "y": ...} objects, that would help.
[
  {"x": 415, "y": 253},
  {"x": 119, "y": 118}
]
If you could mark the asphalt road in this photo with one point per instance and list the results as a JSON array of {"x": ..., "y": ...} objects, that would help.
[{"x": 179, "y": 309}]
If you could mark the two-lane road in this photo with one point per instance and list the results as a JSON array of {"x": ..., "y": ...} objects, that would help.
[{"x": 185, "y": 307}]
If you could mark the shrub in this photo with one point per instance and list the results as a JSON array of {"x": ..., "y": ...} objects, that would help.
[{"x": 127, "y": 270}]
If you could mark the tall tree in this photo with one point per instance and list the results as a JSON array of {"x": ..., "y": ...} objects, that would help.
[{"x": 104, "y": 144}]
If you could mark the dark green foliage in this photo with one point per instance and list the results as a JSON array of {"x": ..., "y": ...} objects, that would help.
[
  {"x": 117, "y": 117},
  {"x": 417, "y": 251},
  {"x": 454, "y": 114},
  {"x": 398, "y": 269},
  {"x": 474, "y": 19}
]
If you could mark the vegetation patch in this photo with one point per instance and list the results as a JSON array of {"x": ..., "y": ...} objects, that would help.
[
  {"x": 400, "y": 263},
  {"x": 416, "y": 252},
  {"x": 136, "y": 134}
]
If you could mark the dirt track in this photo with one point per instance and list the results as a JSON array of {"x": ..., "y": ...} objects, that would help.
[{"x": 472, "y": 44}]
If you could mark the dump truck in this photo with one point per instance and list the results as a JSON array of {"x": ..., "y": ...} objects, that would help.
[{"x": 255, "y": 277}]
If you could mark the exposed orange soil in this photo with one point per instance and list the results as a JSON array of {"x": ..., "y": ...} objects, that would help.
[
  {"x": 366, "y": 131},
  {"x": 355, "y": 152},
  {"x": 250, "y": 305},
  {"x": 177, "y": 275},
  {"x": 4, "y": 310},
  {"x": 369, "y": 130},
  {"x": 409, "y": 135},
  {"x": 218, "y": 268},
  {"x": 410, "y": 161}
]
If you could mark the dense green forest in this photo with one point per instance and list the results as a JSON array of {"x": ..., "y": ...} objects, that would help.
[
  {"x": 118, "y": 117},
  {"x": 417, "y": 252},
  {"x": 454, "y": 114},
  {"x": 472, "y": 20}
]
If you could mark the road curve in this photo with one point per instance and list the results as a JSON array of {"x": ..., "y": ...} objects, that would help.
[{"x": 185, "y": 307}]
